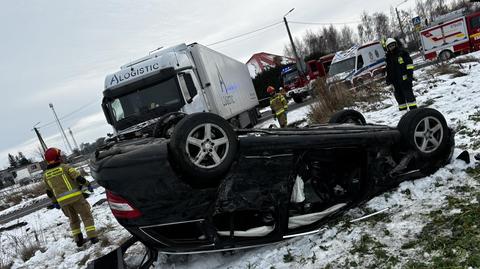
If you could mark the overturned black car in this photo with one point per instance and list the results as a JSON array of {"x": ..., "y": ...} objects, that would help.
[{"x": 198, "y": 185}]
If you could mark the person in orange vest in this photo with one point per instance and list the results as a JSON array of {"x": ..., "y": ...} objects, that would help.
[
  {"x": 64, "y": 187},
  {"x": 279, "y": 106}
]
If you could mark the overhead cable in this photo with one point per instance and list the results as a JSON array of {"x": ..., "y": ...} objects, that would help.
[{"x": 244, "y": 34}]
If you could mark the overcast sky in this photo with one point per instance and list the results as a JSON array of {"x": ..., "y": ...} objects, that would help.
[{"x": 60, "y": 51}]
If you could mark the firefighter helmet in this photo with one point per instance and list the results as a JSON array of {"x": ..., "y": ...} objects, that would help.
[
  {"x": 391, "y": 44},
  {"x": 270, "y": 89},
  {"x": 52, "y": 155}
]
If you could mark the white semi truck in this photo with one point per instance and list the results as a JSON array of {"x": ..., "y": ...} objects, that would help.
[{"x": 185, "y": 79}]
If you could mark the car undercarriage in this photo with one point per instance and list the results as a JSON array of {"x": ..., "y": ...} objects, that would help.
[{"x": 204, "y": 186}]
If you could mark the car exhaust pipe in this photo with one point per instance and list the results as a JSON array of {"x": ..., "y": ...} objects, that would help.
[{"x": 115, "y": 259}]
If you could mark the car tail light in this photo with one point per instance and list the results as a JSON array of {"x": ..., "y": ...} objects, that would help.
[{"x": 121, "y": 208}]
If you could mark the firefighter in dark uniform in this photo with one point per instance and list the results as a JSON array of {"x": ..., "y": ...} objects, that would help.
[
  {"x": 279, "y": 106},
  {"x": 64, "y": 188},
  {"x": 400, "y": 74}
]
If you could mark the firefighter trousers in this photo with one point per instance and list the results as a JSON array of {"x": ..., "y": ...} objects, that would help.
[
  {"x": 404, "y": 95},
  {"x": 82, "y": 208},
  {"x": 282, "y": 119}
]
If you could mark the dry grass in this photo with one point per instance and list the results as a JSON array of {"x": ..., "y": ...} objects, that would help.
[
  {"x": 34, "y": 190},
  {"x": 14, "y": 198},
  {"x": 371, "y": 93},
  {"x": 340, "y": 96},
  {"x": 26, "y": 245},
  {"x": 466, "y": 59},
  {"x": 446, "y": 69},
  {"x": 329, "y": 101},
  {"x": 30, "y": 191}
]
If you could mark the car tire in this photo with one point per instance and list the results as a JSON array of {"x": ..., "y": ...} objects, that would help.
[
  {"x": 297, "y": 99},
  {"x": 425, "y": 130},
  {"x": 348, "y": 116},
  {"x": 203, "y": 145}
]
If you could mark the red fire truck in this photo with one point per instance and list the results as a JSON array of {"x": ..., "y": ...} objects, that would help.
[
  {"x": 298, "y": 85},
  {"x": 451, "y": 34},
  {"x": 320, "y": 67}
]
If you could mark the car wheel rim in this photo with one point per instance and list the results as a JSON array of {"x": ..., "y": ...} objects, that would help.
[
  {"x": 428, "y": 135},
  {"x": 207, "y": 145}
]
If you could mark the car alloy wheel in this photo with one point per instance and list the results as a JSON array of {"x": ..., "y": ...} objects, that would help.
[{"x": 207, "y": 145}]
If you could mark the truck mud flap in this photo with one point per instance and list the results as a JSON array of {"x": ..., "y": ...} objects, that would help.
[{"x": 114, "y": 259}]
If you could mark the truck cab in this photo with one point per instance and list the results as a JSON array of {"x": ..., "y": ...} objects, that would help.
[
  {"x": 295, "y": 83},
  {"x": 184, "y": 79}
]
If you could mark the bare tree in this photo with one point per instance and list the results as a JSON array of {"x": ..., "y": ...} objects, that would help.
[
  {"x": 300, "y": 46},
  {"x": 367, "y": 23},
  {"x": 361, "y": 32},
  {"x": 382, "y": 26},
  {"x": 346, "y": 38},
  {"x": 331, "y": 37}
]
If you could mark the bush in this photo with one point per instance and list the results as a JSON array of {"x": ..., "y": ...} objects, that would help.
[
  {"x": 466, "y": 59},
  {"x": 446, "y": 69},
  {"x": 34, "y": 190},
  {"x": 329, "y": 101},
  {"x": 26, "y": 245}
]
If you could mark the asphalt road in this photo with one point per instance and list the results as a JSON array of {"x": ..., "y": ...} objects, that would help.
[{"x": 24, "y": 211}]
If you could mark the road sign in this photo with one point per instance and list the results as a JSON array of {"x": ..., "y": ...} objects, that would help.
[{"x": 416, "y": 21}]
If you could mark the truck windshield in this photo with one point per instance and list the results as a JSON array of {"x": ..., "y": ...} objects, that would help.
[
  {"x": 342, "y": 66},
  {"x": 290, "y": 77},
  {"x": 160, "y": 97}
]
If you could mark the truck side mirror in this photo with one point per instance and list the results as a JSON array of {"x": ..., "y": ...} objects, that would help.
[
  {"x": 107, "y": 113},
  {"x": 187, "y": 86}
]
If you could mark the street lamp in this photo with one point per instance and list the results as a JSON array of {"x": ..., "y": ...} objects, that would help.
[
  {"x": 398, "y": 17},
  {"x": 60, "y": 127},
  {"x": 297, "y": 59}
]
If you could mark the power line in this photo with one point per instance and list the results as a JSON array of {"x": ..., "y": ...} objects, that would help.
[
  {"x": 243, "y": 39},
  {"x": 68, "y": 115},
  {"x": 244, "y": 34},
  {"x": 277, "y": 23},
  {"x": 323, "y": 23}
]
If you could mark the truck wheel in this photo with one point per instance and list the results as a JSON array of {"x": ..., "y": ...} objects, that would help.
[
  {"x": 425, "y": 131},
  {"x": 297, "y": 99},
  {"x": 445, "y": 55},
  {"x": 348, "y": 116},
  {"x": 204, "y": 146}
]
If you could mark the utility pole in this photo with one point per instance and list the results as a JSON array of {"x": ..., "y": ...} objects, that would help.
[
  {"x": 73, "y": 138},
  {"x": 39, "y": 136},
  {"x": 398, "y": 17},
  {"x": 61, "y": 128},
  {"x": 299, "y": 63}
]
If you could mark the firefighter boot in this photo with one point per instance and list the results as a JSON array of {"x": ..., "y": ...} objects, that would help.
[
  {"x": 79, "y": 240},
  {"x": 94, "y": 240}
]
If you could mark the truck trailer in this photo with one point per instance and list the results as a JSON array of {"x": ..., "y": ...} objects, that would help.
[
  {"x": 451, "y": 34},
  {"x": 180, "y": 79}
]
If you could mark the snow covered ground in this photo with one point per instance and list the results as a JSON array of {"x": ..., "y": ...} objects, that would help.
[{"x": 415, "y": 231}]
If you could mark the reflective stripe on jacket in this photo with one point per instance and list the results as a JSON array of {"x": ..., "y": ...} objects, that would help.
[
  {"x": 399, "y": 67},
  {"x": 278, "y": 104},
  {"x": 60, "y": 180}
]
